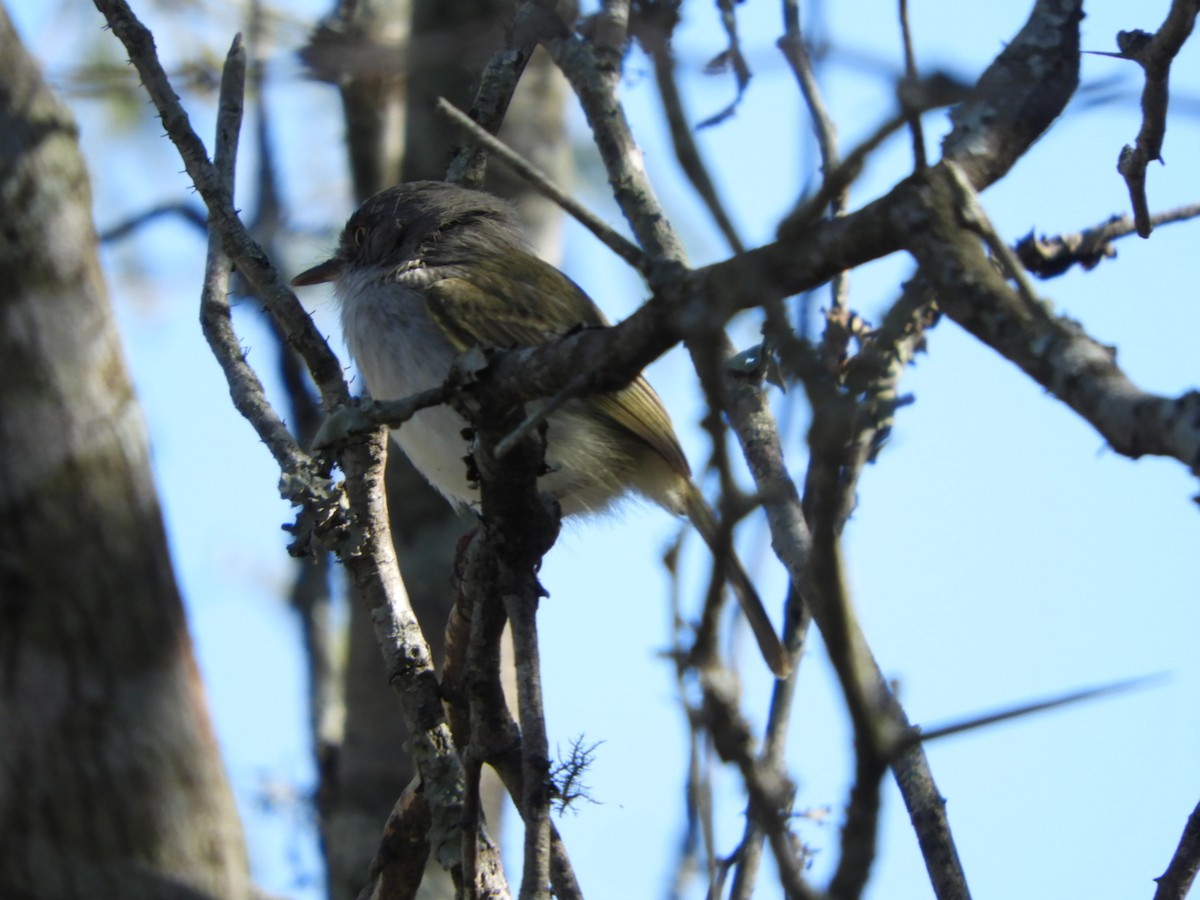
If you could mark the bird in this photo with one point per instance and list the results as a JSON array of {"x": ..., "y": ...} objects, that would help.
[{"x": 427, "y": 270}]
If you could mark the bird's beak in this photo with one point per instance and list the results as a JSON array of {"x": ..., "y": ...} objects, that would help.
[{"x": 330, "y": 270}]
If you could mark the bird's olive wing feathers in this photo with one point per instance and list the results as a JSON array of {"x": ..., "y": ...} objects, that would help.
[
  {"x": 504, "y": 303},
  {"x": 484, "y": 305}
]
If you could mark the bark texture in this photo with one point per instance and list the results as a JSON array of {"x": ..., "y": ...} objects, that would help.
[{"x": 110, "y": 780}]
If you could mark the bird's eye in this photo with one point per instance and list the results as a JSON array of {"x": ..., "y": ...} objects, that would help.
[{"x": 360, "y": 235}]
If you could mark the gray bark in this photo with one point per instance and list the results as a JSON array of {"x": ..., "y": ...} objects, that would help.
[{"x": 110, "y": 780}]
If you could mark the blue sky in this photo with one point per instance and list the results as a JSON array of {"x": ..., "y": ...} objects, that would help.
[{"x": 1000, "y": 553}]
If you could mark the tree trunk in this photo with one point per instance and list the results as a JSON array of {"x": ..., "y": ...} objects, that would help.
[{"x": 110, "y": 780}]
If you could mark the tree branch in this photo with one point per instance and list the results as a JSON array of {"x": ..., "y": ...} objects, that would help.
[
  {"x": 1175, "y": 883},
  {"x": 1048, "y": 257},
  {"x": 1054, "y": 351},
  {"x": 245, "y": 253},
  {"x": 1154, "y": 53}
]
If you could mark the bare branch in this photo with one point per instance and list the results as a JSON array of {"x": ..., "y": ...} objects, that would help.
[
  {"x": 932, "y": 734},
  {"x": 1154, "y": 53},
  {"x": 475, "y": 699},
  {"x": 362, "y": 416},
  {"x": 376, "y": 577},
  {"x": 544, "y": 185},
  {"x": 399, "y": 863},
  {"x": 775, "y": 741},
  {"x": 518, "y": 526},
  {"x": 791, "y": 44},
  {"x": 835, "y": 188},
  {"x": 246, "y": 390},
  {"x": 189, "y": 212},
  {"x": 655, "y": 35},
  {"x": 609, "y": 30},
  {"x": 497, "y": 83},
  {"x": 1048, "y": 257},
  {"x": 729, "y": 58},
  {"x": 594, "y": 83},
  {"x": 770, "y": 792},
  {"x": 1175, "y": 883},
  {"x": 1019, "y": 94},
  {"x": 975, "y": 218},
  {"x": 910, "y": 76},
  {"x": 931, "y": 93},
  {"x": 793, "y": 544},
  {"x": 246, "y": 254},
  {"x": 1054, "y": 351}
]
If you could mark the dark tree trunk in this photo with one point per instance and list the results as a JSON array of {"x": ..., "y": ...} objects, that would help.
[{"x": 110, "y": 780}]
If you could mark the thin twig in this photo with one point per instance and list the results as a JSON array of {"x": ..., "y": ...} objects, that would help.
[
  {"x": 1048, "y": 257},
  {"x": 364, "y": 415},
  {"x": 774, "y": 742},
  {"x": 497, "y": 84},
  {"x": 1154, "y": 53},
  {"x": 910, "y": 75},
  {"x": 698, "y": 832},
  {"x": 541, "y": 414},
  {"x": 791, "y": 44},
  {"x": 542, "y": 183},
  {"x": 708, "y": 354},
  {"x": 932, "y": 734},
  {"x": 974, "y": 216},
  {"x": 836, "y": 339},
  {"x": 656, "y": 39},
  {"x": 770, "y": 792},
  {"x": 535, "y": 799},
  {"x": 189, "y": 212},
  {"x": 215, "y": 319},
  {"x": 730, "y": 58},
  {"x": 810, "y": 209},
  {"x": 245, "y": 253}
]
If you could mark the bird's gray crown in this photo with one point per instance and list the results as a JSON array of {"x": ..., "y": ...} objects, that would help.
[{"x": 428, "y": 223}]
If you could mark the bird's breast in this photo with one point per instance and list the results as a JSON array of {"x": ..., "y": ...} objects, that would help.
[{"x": 399, "y": 351}]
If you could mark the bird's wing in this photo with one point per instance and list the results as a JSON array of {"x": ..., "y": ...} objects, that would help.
[
  {"x": 465, "y": 307},
  {"x": 484, "y": 305}
]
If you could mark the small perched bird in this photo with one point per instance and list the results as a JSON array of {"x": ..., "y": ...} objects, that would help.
[{"x": 426, "y": 270}]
